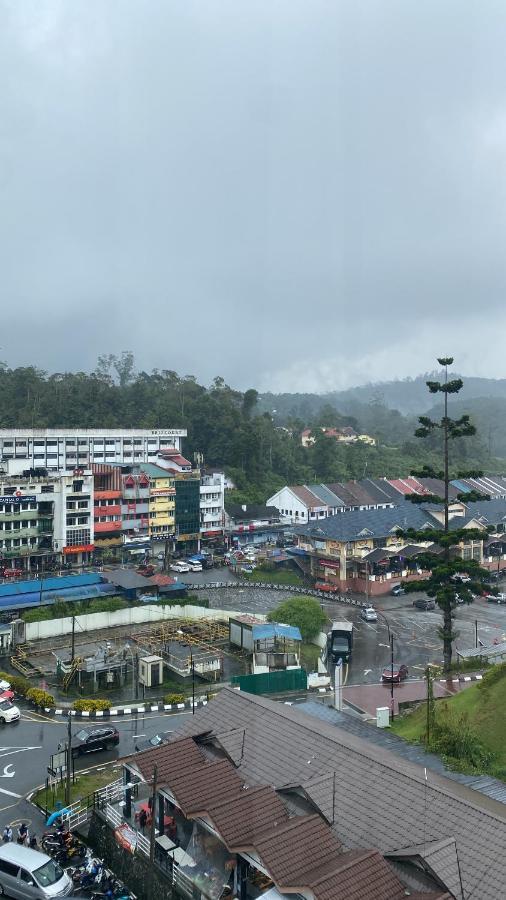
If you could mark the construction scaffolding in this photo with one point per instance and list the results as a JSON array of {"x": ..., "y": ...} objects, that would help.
[{"x": 184, "y": 644}]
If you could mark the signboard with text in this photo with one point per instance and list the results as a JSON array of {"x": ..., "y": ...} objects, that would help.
[
  {"x": 81, "y": 548},
  {"x": 16, "y": 498}
]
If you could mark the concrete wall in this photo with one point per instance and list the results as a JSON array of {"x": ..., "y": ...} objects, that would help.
[{"x": 133, "y": 616}]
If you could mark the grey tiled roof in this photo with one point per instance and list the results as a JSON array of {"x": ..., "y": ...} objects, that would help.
[
  {"x": 326, "y": 495},
  {"x": 442, "y": 859},
  {"x": 381, "y": 799},
  {"x": 379, "y": 522}
]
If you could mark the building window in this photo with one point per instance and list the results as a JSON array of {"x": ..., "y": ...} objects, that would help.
[{"x": 47, "y": 489}]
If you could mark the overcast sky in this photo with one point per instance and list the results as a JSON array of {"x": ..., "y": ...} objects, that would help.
[{"x": 293, "y": 194}]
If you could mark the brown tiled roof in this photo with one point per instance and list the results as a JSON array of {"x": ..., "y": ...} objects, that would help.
[
  {"x": 359, "y": 490},
  {"x": 184, "y": 753},
  {"x": 306, "y": 496},
  {"x": 293, "y": 852},
  {"x": 382, "y": 800},
  {"x": 341, "y": 490},
  {"x": 243, "y": 821},
  {"x": 360, "y": 875},
  {"x": 196, "y": 788}
]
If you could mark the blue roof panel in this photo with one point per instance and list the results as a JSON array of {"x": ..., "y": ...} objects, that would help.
[{"x": 276, "y": 629}]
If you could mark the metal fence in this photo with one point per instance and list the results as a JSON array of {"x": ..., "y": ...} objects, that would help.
[{"x": 265, "y": 585}]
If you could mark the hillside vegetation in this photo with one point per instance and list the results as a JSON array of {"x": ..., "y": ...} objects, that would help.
[{"x": 470, "y": 728}]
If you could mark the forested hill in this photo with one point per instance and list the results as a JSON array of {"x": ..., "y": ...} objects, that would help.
[
  {"x": 408, "y": 395},
  {"x": 230, "y": 428}
]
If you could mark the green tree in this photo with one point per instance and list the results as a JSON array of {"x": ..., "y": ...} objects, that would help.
[
  {"x": 304, "y": 613},
  {"x": 443, "y": 583}
]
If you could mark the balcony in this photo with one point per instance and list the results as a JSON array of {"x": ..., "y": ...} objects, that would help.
[
  {"x": 20, "y": 516},
  {"x": 107, "y": 527},
  {"x": 114, "y": 510}
]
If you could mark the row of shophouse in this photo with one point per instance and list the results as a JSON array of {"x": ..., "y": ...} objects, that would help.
[
  {"x": 66, "y": 511},
  {"x": 302, "y": 503},
  {"x": 362, "y": 550}
]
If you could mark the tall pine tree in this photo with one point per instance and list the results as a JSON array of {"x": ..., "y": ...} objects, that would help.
[{"x": 445, "y": 559}]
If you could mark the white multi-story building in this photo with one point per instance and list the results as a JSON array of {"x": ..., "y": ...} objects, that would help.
[
  {"x": 61, "y": 449},
  {"x": 212, "y": 504},
  {"x": 46, "y": 518}
]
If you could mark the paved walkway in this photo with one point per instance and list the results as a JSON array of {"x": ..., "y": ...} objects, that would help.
[{"x": 368, "y": 697}]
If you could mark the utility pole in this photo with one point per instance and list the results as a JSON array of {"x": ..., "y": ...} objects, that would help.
[
  {"x": 73, "y": 639},
  {"x": 193, "y": 680},
  {"x": 69, "y": 759},
  {"x": 153, "y": 819},
  {"x": 392, "y": 675},
  {"x": 476, "y": 633}
]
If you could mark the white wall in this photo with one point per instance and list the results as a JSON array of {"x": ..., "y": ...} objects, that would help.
[
  {"x": 132, "y": 616},
  {"x": 286, "y": 500}
]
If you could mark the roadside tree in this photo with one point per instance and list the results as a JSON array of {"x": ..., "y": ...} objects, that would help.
[{"x": 454, "y": 551}]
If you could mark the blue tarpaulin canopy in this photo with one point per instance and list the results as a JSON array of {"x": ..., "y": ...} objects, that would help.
[{"x": 275, "y": 629}]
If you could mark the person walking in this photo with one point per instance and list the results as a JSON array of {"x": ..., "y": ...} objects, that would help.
[
  {"x": 23, "y": 833},
  {"x": 7, "y": 835},
  {"x": 143, "y": 818}
]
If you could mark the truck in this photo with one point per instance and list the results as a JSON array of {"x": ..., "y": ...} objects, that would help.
[{"x": 340, "y": 642}]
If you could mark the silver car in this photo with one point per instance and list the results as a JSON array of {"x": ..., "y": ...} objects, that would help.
[
  {"x": 369, "y": 614},
  {"x": 30, "y": 875}
]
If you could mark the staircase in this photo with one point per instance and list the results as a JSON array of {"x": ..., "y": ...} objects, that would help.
[
  {"x": 71, "y": 672},
  {"x": 22, "y": 664}
]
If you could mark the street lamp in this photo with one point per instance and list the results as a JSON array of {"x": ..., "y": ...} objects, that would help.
[
  {"x": 134, "y": 680},
  {"x": 391, "y": 642}
]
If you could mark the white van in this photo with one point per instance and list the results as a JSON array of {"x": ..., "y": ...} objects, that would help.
[{"x": 29, "y": 875}]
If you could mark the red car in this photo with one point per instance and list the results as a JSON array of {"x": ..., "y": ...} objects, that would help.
[
  {"x": 6, "y": 695},
  {"x": 395, "y": 673}
]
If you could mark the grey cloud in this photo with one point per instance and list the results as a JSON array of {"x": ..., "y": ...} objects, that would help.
[{"x": 289, "y": 194}]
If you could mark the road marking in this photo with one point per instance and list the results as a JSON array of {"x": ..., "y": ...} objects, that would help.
[
  {"x": 16, "y": 750},
  {"x": 7, "y": 774},
  {"x": 10, "y": 793},
  {"x": 135, "y": 736},
  {"x": 366, "y": 671}
]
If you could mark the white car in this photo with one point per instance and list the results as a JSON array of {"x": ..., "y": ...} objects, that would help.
[
  {"x": 369, "y": 614},
  {"x": 195, "y": 566},
  {"x": 5, "y": 685},
  {"x": 8, "y": 712},
  {"x": 179, "y": 567}
]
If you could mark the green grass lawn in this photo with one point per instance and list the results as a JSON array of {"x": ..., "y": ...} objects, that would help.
[
  {"x": 82, "y": 787},
  {"x": 277, "y": 576},
  {"x": 485, "y": 711}
]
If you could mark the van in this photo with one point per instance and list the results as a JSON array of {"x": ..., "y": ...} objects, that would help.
[{"x": 30, "y": 875}]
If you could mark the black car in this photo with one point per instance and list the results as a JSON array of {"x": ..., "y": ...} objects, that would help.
[
  {"x": 424, "y": 603},
  {"x": 156, "y": 741},
  {"x": 89, "y": 739}
]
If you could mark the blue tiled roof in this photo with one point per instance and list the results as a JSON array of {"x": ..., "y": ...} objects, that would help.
[{"x": 378, "y": 523}]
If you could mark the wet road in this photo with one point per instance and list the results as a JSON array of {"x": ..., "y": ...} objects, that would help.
[{"x": 26, "y": 747}]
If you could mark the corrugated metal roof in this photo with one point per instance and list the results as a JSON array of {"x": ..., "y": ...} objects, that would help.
[{"x": 276, "y": 629}]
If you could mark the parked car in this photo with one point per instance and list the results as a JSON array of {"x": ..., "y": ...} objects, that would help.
[
  {"x": 179, "y": 567},
  {"x": 397, "y": 590},
  {"x": 496, "y": 598},
  {"x": 195, "y": 566},
  {"x": 5, "y": 685},
  {"x": 31, "y": 875},
  {"x": 7, "y": 695},
  {"x": 461, "y": 577},
  {"x": 88, "y": 740},
  {"x": 248, "y": 567},
  {"x": 156, "y": 741},
  {"x": 424, "y": 603},
  {"x": 395, "y": 673},
  {"x": 8, "y": 712},
  {"x": 369, "y": 614}
]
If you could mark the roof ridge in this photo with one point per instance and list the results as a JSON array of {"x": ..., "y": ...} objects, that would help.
[{"x": 406, "y": 768}]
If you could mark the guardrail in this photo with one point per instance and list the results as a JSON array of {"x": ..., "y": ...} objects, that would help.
[{"x": 265, "y": 585}]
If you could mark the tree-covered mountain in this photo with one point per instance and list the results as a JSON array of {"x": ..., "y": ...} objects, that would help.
[
  {"x": 259, "y": 449},
  {"x": 407, "y": 395}
]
